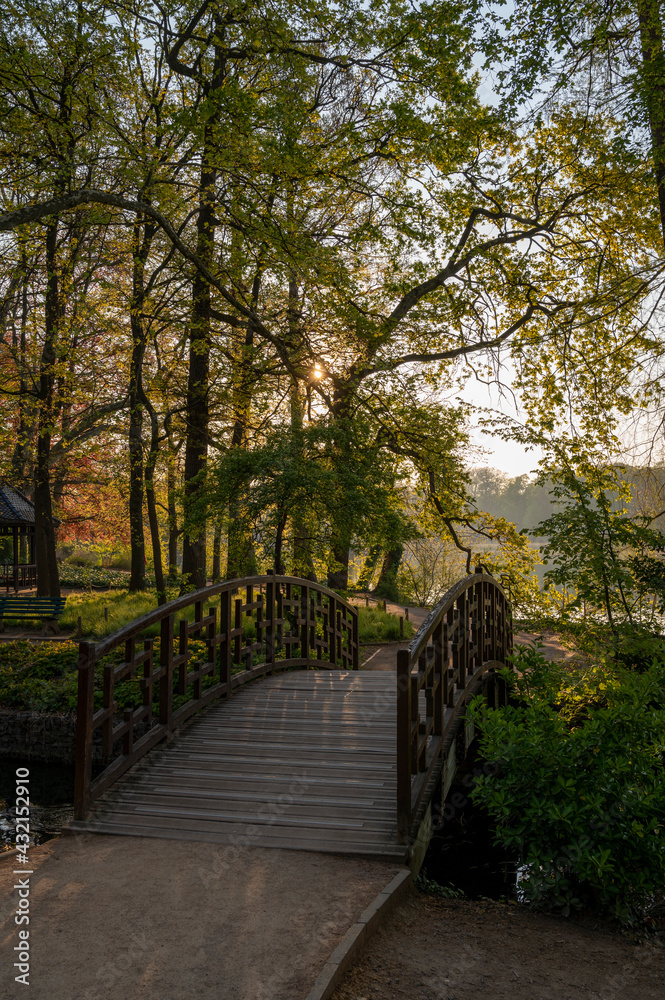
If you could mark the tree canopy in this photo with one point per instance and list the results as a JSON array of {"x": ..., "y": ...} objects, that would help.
[{"x": 250, "y": 253}]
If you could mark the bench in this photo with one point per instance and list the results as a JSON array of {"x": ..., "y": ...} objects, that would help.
[{"x": 46, "y": 609}]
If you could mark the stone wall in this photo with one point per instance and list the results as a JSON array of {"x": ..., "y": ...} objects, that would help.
[
  {"x": 43, "y": 736},
  {"x": 38, "y": 736}
]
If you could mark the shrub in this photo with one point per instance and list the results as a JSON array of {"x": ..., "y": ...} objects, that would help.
[
  {"x": 380, "y": 626},
  {"x": 39, "y": 678},
  {"x": 579, "y": 791}
]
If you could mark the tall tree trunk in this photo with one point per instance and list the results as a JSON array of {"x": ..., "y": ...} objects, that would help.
[
  {"x": 367, "y": 572},
  {"x": 279, "y": 538},
  {"x": 196, "y": 447},
  {"x": 653, "y": 76},
  {"x": 338, "y": 577},
  {"x": 170, "y": 501},
  {"x": 342, "y": 456},
  {"x": 151, "y": 502},
  {"x": 217, "y": 553},
  {"x": 387, "y": 583},
  {"x": 21, "y": 459},
  {"x": 48, "y": 582},
  {"x": 173, "y": 525},
  {"x": 142, "y": 236},
  {"x": 303, "y": 562},
  {"x": 241, "y": 557}
]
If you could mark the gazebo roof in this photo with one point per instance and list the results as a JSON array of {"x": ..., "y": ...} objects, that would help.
[{"x": 15, "y": 509}]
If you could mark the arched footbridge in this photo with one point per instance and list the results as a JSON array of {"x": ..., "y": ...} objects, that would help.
[{"x": 237, "y": 714}]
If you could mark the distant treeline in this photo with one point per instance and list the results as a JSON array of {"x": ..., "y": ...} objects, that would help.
[{"x": 527, "y": 504}]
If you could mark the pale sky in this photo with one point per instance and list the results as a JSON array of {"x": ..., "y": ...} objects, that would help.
[{"x": 507, "y": 456}]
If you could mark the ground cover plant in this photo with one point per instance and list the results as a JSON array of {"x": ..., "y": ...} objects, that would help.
[
  {"x": 376, "y": 626},
  {"x": 579, "y": 787},
  {"x": 87, "y": 577}
]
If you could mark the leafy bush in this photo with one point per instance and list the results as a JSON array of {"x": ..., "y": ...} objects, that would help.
[
  {"x": 38, "y": 678},
  {"x": 579, "y": 790},
  {"x": 85, "y": 577},
  {"x": 380, "y": 626}
]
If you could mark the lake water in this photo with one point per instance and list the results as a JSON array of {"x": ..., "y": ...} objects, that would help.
[{"x": 51, "y": 799}]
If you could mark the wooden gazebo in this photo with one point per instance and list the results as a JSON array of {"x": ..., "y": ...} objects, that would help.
[{"x": 17, "y": 519}]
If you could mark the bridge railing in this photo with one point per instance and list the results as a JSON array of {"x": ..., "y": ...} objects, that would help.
[
  {"x": 210, "y": 642},
  {"x": 467, "y": 635}
]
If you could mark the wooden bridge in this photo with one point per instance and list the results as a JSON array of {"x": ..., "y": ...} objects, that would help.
[{"x": 317, "y": 755}]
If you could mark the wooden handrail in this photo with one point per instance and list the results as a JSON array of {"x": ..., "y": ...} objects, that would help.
[
  {"x": 468, "y": 634},
  {"x": 295, "y": 623}
]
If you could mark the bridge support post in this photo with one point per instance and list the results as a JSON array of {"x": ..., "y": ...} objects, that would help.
[
  {"x": 403, "y": 745},
  {"x": 166, "y": 680},
  {"x": 269, "y": 618},
  {"x": 84, "y": 712}
]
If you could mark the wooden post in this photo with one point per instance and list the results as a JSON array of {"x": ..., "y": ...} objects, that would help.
[
  {"x": 304, "y": 622},
  {"x": 225, "y": 643},
  {"x": 15, "y": 549},
  {"x": 478, "y": 629},
  {"x": 84, "y": 713},
  {"x": 270, "y": 619},
  {"x": 438, "y": 671},
  {"x": 330, "y": 630},
  {"x": 166, "y": 680},
  {"x": 403, "y": 745},
  {"x": 356, "y": 640}
]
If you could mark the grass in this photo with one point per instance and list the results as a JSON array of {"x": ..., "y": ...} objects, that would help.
[
  {"x": 122, "y": 606},
  {"x": 375, "y": 626}
]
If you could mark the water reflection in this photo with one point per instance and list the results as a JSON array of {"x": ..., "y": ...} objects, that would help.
[{"x": 51, "y": 798}]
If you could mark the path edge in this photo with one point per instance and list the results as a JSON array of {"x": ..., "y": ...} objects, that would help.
[{"x": 355, "y": 939}]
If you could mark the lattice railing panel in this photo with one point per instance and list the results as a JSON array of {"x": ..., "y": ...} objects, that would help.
[
  {"x": 134, "y": 690},
  {"x": 467, "y": 633}
]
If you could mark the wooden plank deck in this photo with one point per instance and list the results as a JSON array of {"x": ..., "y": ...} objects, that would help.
[{"x": 303, "y": 760}]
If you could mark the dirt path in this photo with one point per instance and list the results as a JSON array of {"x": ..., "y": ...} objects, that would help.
[
  {"x": 130, "y": 918},
  {"x": 433, "y": 949}
]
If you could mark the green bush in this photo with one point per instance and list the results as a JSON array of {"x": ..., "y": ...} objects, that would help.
[
  {"x": 579, "y": 790},
  {"x": 44, "y": 677},
  {"x": 86, "y": 576},
  {"x": 380, "y": 626},
  {"x": 38, "y": 678}
]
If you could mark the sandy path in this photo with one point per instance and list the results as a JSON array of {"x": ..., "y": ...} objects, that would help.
[
  {"x": 432, "y": 949},
  {"x": 128, "y": 918}
]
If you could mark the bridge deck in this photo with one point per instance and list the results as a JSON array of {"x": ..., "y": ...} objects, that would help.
[{"x": 303, "y": 760}]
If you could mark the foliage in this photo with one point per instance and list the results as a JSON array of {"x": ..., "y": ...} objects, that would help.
[
  {"x": 597, "y": 549},
  {"x": 579, "y": 790},
  {"x": 103, "y": 614},
  {"x": 39, "y": 678},
  {"x": 431, "y": 888},
  {"x": 376, "y": 626},
  {"x": 429, "y": 567},
  {"x": 94, "y": 576},
  {"x": 285, "y": 234}
]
